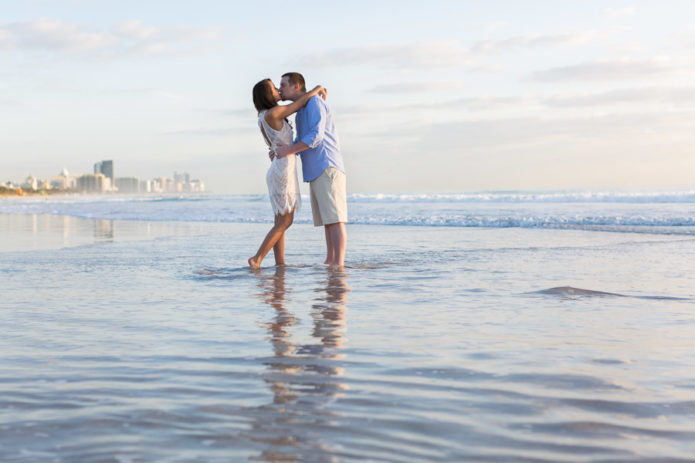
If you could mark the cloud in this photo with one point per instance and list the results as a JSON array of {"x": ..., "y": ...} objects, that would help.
[
  {"x": 127, "y": 38},
  {"x": 677, "y": 96},
  {"x": 439, "y": 53},
  {"x": 222, "y": 132},
  {"x": 498, "y": 132},
  {"x": 135, "y": 30},
  {"x": 495, "y": 26},
  {"x": 617, "y": 12},
  {"x": 621, "y": 99},
  {"x": 241, "y": 112},
  {"x": 5, "y": 37},
  {"x": 478, "y": 103},
  {"x": 487, "y": 102},
  {"x": 418, "y": 87},
  {"x": 432, "y": 54},
  {"x": 536, "y": 40},
  {"x": 685, "y": 38},
  {"x": 610, "y": 70},
  {"x": 54, "y": 35}
]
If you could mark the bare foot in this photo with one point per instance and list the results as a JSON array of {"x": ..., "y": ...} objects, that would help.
[{"x": 253, "y": 263}]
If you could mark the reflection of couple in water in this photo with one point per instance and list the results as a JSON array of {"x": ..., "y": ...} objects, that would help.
[
  {"x": 303, "y": 378},
  {"x": 322, "y": 165}
]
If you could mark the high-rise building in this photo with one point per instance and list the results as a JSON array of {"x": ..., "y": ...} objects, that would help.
[
  {"x": 93, "y": 183},
  {"x": 182, "y": 177},
  {"x": 106, "y": 168},
  {"x": 31, "y": 183},
  {"x": 145, "y": 186},
  {"x": 128, "y": 185},
  {"x": 195, "y": 186},
  {"x": 63, "y": 181}
]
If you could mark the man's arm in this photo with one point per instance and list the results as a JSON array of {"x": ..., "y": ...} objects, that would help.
[
  {"x": 285, "y": 150},
  {"x": 316, "y": 121},
  {"x": 280, "y": 112}
]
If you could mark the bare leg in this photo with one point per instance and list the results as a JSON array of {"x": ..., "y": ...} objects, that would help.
[
  {"x": 338, "y": 242},
  {"x": 282, "y": 223},
  {"x": 329, "y": 247},
  {"x": 279, "y": 248}
]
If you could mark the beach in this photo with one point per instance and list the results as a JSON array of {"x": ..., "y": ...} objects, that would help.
[{"x": 506, "y": 327}]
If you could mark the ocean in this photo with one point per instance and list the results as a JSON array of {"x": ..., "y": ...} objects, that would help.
[{"x": 516, "y": 326}]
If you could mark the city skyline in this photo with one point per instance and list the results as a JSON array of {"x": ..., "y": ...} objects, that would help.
[
  {"x": 104, "y": 180},
  {"x": 452, "y": 96}
]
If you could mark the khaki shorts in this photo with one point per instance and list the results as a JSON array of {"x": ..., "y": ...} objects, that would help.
[{"x": 328, "y": 197}]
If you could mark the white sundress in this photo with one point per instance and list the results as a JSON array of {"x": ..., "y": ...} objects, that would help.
[{"x": 282, "y": 180}]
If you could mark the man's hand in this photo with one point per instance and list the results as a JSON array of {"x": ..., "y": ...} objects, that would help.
[
  {"x": 271, "y": 154},
  {"x": 283, "y": 150}
]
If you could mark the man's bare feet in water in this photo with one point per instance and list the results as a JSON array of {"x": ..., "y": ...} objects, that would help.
[{"x": 254, "y": 263}]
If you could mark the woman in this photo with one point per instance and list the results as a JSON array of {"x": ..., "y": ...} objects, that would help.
[{"x": 283, "y": 185}]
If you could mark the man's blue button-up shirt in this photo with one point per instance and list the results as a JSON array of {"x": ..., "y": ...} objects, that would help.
[{"x": 316, "y": 128}]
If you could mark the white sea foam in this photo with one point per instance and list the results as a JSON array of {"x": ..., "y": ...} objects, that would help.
[
  {"x": 652, "y": 211},
  {"x": 666, "y": 196}
]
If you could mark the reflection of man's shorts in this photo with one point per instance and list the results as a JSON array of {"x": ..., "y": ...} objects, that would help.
[{"x": 328, "y": 197}]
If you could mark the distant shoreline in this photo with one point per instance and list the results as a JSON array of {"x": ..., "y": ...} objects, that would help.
[
  {"x": 5, "y": 192},
  {"x": 19, "y": 193}
]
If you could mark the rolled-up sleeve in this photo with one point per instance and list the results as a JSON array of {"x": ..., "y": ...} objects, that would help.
[{"x": 315, "y": 114}]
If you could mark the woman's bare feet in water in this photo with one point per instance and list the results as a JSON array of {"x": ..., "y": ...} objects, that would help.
[{"x": 254, "y": 263}]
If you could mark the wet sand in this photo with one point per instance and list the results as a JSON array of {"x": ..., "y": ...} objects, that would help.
[{"x": 132, "y": 341}]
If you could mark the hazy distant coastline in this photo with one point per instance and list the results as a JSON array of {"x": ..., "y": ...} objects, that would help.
[
  {"x": 4, "y": 192},
  {"x": 103, "y": 180}
]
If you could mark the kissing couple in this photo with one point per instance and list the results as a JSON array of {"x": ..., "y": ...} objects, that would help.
[{"x": 317, "y": 144}]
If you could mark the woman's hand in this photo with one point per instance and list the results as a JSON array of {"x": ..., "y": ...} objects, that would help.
[{"x": 320, "y": 91}]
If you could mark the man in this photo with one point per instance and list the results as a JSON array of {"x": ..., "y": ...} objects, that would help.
[{"x": 322, "y": 165}]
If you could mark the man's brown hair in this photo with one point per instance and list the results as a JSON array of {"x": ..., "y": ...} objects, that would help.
[{"x": 295, "y": 78}]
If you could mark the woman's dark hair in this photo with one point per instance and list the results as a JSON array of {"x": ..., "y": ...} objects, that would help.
[{"x": 263, "y": 96}]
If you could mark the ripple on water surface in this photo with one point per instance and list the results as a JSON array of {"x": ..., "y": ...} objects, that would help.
[{"x": 166, "y": 349}]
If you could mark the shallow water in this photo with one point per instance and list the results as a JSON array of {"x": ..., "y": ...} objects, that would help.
[{"x": 131, "y": 341}]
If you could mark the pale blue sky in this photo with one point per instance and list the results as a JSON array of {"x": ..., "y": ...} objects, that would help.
[{"x": 438, "y": 95}]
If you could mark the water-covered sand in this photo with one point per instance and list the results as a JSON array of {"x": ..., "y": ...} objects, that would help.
[{"x": 133, "y": 341}]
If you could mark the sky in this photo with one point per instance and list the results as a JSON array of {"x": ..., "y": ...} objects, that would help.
[{"x": 427, "y": 96}]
